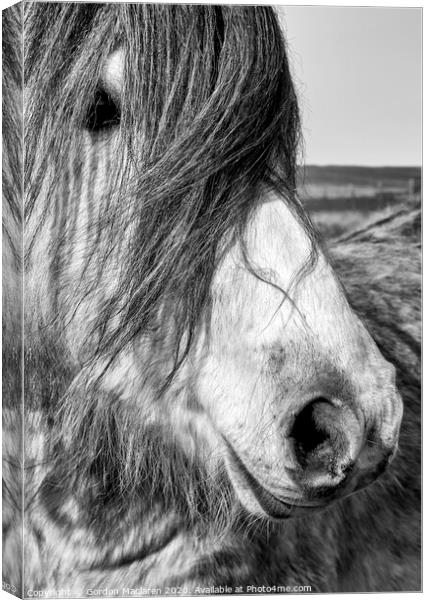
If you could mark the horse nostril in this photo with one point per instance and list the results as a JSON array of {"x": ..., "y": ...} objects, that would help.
[
  {"x": 326, "y": 439},
  {"x": 309, "y": 434}
]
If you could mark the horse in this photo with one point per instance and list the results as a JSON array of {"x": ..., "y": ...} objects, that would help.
[{"x": 200, "y": 399}]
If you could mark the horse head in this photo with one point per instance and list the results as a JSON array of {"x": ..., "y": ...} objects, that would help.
[{"x": 182, "y": 256}]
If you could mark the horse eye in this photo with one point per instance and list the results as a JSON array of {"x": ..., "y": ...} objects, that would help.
[{"x": 103, "y": 113}]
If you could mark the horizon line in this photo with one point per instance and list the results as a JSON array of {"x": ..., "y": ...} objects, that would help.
[{"x": 398, "y": 166}]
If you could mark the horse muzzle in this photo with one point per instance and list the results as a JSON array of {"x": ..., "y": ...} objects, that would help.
[{"x": 336, "y": 452}]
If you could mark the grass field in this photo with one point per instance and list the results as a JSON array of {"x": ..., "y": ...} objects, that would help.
[{"x": 333, "y": 224}]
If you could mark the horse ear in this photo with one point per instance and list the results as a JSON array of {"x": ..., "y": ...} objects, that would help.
[{"x": 112, "y": 74}]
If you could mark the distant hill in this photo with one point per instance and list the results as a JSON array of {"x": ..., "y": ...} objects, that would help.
[
  {"x": 342, "y": 198},
  {"x": 348, "y": 188},
  {"x": 359, "y": 176}
]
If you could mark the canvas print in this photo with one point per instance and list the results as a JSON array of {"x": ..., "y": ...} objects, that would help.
[{"x": 211, "y": 343}]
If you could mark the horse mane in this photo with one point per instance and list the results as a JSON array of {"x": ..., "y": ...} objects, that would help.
[{"x": 208, "y": 120}]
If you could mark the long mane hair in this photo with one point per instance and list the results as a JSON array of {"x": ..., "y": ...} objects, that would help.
[{"x": 208, "y": 119}]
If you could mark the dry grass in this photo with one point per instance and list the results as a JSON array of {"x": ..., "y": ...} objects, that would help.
[{"x": 332, "y": 224}]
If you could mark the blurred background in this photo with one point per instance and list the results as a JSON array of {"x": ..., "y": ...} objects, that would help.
[{"x": 358, "y": 74}]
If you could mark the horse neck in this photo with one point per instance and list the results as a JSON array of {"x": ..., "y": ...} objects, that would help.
[{"x": 129, "y": 487}]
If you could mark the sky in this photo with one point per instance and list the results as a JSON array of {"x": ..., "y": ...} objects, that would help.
[{"x": 358, "y": 73}]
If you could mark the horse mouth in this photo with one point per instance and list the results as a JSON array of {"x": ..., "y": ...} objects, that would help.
[{"x": 275, "y": 508}]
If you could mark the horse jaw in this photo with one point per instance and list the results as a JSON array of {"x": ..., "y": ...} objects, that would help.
[{"x": 269, "y": 354}]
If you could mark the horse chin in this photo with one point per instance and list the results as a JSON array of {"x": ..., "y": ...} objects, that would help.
[{"x": 257, "y": 499}]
